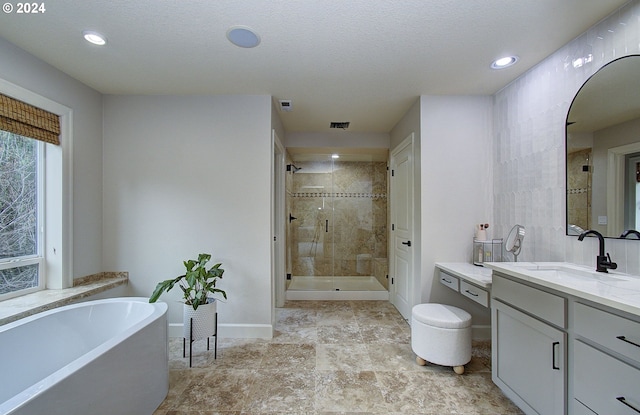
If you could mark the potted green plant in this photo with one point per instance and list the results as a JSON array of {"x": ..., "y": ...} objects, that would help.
[{"x": 198, "y": 286}]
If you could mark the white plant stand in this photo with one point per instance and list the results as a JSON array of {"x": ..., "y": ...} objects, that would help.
[{"x": 194, "y": 324}]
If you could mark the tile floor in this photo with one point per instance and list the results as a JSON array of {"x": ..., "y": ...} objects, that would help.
[{"x": 328, "y": 357}]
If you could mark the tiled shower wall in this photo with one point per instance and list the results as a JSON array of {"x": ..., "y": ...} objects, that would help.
[
  {"x": 341, "y": 218},
  {"x": 579, "y": 188},
  {"x": 529, "y": 146}
]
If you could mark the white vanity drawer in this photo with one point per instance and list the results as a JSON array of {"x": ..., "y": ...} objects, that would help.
[
  {"x": 449, "y": 280},
  {"x": 609, "y": 330},
  {"x": 541, "y": 304},
  {"x": 605, "y": 385},
  {"x": 478, "y": 295}
]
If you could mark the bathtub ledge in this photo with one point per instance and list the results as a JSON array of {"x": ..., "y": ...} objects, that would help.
[{"x": 19, "y": 307}]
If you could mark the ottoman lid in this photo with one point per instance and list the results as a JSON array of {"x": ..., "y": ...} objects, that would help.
[{"x": 441, "y": 315}]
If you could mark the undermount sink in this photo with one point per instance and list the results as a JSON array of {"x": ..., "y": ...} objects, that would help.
[
  {"x": 566, "y": 272},
  {"x": 577, "y": 275}
]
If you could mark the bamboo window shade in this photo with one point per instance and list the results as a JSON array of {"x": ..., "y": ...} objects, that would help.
[{"x": 24, "y": 119}]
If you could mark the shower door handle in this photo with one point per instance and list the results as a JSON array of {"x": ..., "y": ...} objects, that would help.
[
  {"x": 326, "y": 225},
  {"x": 408, "y": 243}
]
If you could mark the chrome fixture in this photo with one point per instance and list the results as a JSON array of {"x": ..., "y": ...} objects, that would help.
[
  {"x": 514, "y": 241},
  {"x": 603, "y": 262},
  {"x": 630, "y": 232}
]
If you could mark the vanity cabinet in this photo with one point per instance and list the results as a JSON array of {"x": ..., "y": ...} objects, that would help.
[
  {"x": 474, "y": 293},
  {"x": 529, "y": 351},
  {"x": 566, "y": 342},
  {"x": 449, "y": 280},
  {"x": 606, "y": 360},
  {"x": 471, "y": 281}
]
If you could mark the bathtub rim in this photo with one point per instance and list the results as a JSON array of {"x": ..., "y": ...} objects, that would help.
[{"x": 32, "y": 392}]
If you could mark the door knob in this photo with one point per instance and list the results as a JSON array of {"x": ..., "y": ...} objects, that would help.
[{"x": 408, "y": 243}]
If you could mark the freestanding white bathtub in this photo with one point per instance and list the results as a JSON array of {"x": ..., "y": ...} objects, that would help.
[{"x": 92, "y": 358}]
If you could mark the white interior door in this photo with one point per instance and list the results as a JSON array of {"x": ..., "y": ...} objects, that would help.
[
  {"x": 277, "y": 223},
  {"x": 402, "y": 222}
]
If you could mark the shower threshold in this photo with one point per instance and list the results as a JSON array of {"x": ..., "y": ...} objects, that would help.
[{"x": 336, "y": 288}]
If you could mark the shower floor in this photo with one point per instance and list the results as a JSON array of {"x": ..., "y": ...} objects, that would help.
[{"x": 336, "y": 288}]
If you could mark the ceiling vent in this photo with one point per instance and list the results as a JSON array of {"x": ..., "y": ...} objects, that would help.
[
  {"x": 343, "y": 125},
  {"x": 286, "y": 105}
]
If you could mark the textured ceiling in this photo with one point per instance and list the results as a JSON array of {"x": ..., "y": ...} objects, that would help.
[{"x": 363, "y": 61}]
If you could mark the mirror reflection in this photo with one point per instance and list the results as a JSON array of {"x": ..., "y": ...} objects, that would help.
[{"x": 603, "y": 152}]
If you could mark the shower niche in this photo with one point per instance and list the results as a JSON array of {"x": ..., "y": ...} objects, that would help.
[{"x": 337, "y": 223}]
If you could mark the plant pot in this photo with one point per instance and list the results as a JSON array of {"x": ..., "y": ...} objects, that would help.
[{"x": 204, "y": 321}]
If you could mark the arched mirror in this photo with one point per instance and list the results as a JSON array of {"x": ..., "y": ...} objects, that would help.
[{"x": 603, "y": 151}]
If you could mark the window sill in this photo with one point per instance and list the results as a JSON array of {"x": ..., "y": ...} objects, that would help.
[{"x": 19, "y": 307}]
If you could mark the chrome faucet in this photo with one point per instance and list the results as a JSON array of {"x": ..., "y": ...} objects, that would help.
[
  {"x": 630, "y": 232},
  {"x": 603, "y": 262}
]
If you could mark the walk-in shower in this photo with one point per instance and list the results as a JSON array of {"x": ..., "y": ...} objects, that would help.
[{"x": 337, "y": 226}]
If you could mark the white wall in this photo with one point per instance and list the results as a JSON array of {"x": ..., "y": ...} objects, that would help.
[
  {"x": 337, "y": 138},
  {"x": 457, "y": 177},
  {"x": 453, "y": 187},
  {"x": 28, "y": 72},
  {"x": 529, "y": 175},
  {"x": 187, "y": 175}
]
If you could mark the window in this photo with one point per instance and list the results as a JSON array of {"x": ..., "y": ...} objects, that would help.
[
  {"x": 35, "y": 220},
  {"x": 21, "y": 214}
]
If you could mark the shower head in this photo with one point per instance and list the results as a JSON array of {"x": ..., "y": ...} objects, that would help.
[{"x": 292, "y": 168}]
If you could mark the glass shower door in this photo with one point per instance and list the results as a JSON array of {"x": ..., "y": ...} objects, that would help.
[
  {"x": 312, "y": 236},
  {"x": 338, "y": 239}
]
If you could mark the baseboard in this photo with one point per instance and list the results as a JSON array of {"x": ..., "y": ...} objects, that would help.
[
  {"x": 481, "y": 332},
  {"x": 233, "y": 331}
]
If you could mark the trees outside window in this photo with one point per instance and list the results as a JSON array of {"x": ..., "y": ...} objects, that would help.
[{"x": 20, "y": 214}]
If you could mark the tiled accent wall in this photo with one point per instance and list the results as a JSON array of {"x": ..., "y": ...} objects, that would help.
[
  {"x": 341, "y": 217},
  {"x": 529, "y": 151}
]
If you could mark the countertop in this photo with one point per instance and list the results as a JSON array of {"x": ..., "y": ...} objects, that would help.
[
  {"x": 477, "y": 275},
  {"x": 613, "y": 289},
  {"x": 19, "y": 307}
]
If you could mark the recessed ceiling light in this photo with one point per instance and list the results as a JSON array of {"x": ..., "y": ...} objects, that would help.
[
  {"x": 335, "y": 156},
  {"x": 243, "y": 37},
  {"x": 504, "y": 62},
  {"x": 94, "y": 37}
]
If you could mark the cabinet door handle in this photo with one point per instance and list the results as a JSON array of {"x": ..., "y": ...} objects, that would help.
[
  {"x": 472, "y": 293},
  {"x": 621, "y": 399},
  {"x": 446, "y": 280},
  {"x": 624, "y": 339},
  {"x": 553, "y": 358}
]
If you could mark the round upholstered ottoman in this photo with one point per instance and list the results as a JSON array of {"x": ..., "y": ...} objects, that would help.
[{"x": 441, "y": 334}]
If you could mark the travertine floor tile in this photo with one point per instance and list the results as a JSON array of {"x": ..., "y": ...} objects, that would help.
[
  {"x": 351, "y": 357},
  {"x": 349, "y": 392},
  {"x": 348, "y": 333},
  {"x": 216, "y": 390},
  {"x": 394, "y": 334},
  {"x": 289, "y": 356},
  {"x": 329, "y": 358},
  {"x": 282, "y": 391}
]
